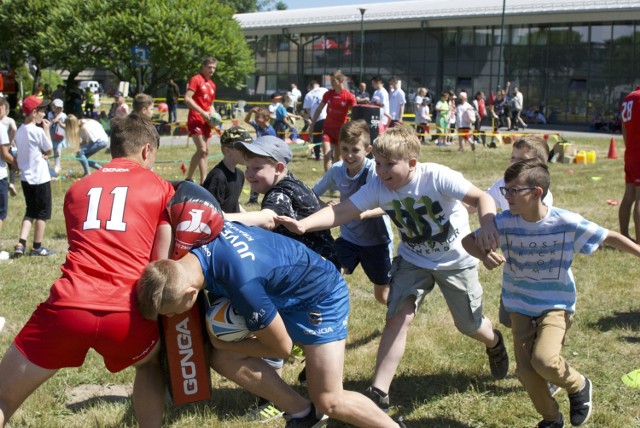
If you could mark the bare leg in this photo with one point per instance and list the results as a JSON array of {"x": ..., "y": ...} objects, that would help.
[
  {"x": 199, "y": 158},
  {"x": 149, "y": 391},
  {"x": 325, "y": 365},
  {"x": 326, "y": 155},
  {"x": 624, "y": 212},
  {"x": 19, "y": 378},
  {"x": 392, "y": 345},
  {"x": 38, "y": 230},
  {"x": 25, "y": 228},
  {"x": 485, "y": 334},
  {"x": 381, "y": 292},
  {"x": 259, "y": 378}
]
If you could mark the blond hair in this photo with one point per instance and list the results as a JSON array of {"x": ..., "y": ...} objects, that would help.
[
  {"x": 535, "y": 144},
  {"x": 399, "y": 142},
  {"x": 354, "y": 132},
  {"x": 72, "y": 131}
]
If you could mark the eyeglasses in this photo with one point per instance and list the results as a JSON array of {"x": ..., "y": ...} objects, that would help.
[{"x": 512, "y": 191}]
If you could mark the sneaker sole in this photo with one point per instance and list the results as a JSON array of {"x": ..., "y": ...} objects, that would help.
[
  {"x": 322, "y": 422},
  {"x": 590, "y": 406}
]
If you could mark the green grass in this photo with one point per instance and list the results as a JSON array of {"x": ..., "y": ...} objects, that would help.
[{"x": 443, "y": 380}]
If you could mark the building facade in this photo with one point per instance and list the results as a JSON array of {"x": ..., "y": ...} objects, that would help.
[{"x": 572, "y": 59}]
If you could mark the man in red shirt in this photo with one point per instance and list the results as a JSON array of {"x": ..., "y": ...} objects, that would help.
[
  {"x": 201, "y": 93},
  {"x": 630, "y": 115},
  {"x": 338, "y": 101},
  {"x": 116, "y": 223}
]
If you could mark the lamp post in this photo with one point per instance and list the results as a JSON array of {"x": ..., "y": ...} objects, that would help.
[
  {"x": 500, "y": 67},
  {"x": 362, "y": 11}
]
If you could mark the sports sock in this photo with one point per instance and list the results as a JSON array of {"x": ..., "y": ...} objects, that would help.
[
  {"x": 23, "y": 242},
  {"x": 302, "y": 414},
  {"x": 37, "y": 245}
]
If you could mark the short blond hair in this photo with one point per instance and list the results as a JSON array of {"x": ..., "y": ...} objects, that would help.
[
  {"x": 158, "y": 286},
  {"x": 399, "y": 142},
  {"x": 535, "y": 144}
]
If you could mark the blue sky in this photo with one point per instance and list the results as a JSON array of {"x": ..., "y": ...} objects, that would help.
[{"x": 302, "y": 4}]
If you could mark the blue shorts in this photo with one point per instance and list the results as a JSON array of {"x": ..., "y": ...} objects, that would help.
[
  {"x": 375, "y": 260},
  {"x": 4, "y": 198},
  {"x": 324, "y": 322}
]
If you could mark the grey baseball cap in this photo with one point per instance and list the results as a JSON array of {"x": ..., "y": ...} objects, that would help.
[{"x": 268, "y": 146}]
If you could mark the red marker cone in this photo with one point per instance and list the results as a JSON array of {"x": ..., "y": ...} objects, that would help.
[{"x": 613, "y": 153}]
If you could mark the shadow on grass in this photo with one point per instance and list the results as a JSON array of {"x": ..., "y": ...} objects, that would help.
[
  {"x": 619, "y": 320},
  {"x": 435, "y": 423},
  {"x": 364, "y": 340}
]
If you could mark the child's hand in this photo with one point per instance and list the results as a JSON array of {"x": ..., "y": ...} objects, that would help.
[
  {"x": 488, "y": 237},
  {"x": 291, "y": 224},
  {"x": 492, "y": 260}
]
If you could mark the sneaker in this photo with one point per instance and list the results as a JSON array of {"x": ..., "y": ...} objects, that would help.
[
  {"x": 551, "y": 424},
  {"x": 18, "y": 250},
  {"x": 498, "y": 358},
  {"x": 264, "y": 412},
  {"x": 297, "y": 352},
  {"x": 553, "y": 389},
  {"x": 2, "y": 321},
  {"x": 401, "y": 423},
  {"x": 42, "y": 251},
  {"x": 12, "y": 189},
  {"x": 312, "y": 420},
  {"x": 380, "y": 398},
  {"x": 580, "y": 404}
]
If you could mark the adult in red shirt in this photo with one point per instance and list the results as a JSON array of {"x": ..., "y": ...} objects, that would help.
[
  {"x": 116, "y": 223},
  {"x": 338, "y": 101},
  {"x": 630, "y": 115},
  {"x": 201, "y": 93}
]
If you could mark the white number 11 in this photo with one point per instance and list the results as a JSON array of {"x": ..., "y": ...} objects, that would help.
[{"x": 115, "y": 221}]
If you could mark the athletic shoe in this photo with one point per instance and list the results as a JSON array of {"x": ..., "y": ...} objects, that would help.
[
  {"x": 401, "y": 423},
  {"x": 380, "y": 398},
  {"x": 42, "y": 251},
  {"x": 498, "y": 358},
  {"x": 264, "y": 412},
  {"x": 553, "y": 389},
  {"x": 312, "y": 420},
  {"x": 12, "y": 189},
  {"x": 580, "y": 404},
  {"x": 18, "y": 250},
  {"x": 2, "y": 321},
  {"x": 297, "y": 352},
  {"x": 551, "y": 424}
]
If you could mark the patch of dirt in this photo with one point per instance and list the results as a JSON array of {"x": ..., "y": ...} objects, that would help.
[{"x": 83, "y": 395}]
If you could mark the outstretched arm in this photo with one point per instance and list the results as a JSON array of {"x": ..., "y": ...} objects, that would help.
[
  {"x": 622, "y": 243},
  {"x": 490, "y": 259},
  {"x": 326, "y": 218},
  {"x": 488, "y": 237},
  {"x": 264, "y": 218}
]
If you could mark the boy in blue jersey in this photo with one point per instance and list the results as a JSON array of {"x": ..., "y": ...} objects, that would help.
[
  {"x": 369, "y": 241},
  {"x": 538, "y": 244},
  {"x": 286, "y": 293}
]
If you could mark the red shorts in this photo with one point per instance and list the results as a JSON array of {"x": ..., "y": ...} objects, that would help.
[
  {"x": 55, "y": 337},
  {"x": 632, "y": 171},
  {"x": 197, "y": 127},
  {"x": 331, "y": 135}
]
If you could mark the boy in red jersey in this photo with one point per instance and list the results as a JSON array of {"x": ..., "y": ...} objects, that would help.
[
  {"x": 338, "y": 101},
  {"x": 630, "y": 115},
  {"x": 201, "y": 93},
  {"x": 116, "y": 222}
]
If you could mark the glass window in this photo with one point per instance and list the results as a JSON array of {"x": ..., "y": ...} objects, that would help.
[
  {"x": 520, "y": 36},
  {"x": 466, "y": 37},
  {"x": 558, "y": 36},
  {"x": 579, "y": 34},
  {"x": 539, "y": 35},
  {"x": 600, "y": 33},
  {"x": 450, "y": 37},
  {"x": 483, "y": 36}
]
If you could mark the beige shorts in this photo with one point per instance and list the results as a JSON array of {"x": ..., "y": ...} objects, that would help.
[{"x": 460, "y": 288}]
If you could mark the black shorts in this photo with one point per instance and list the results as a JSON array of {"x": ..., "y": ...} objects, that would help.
[
  {"x": 38, "y": 199},
  {"x": 375, "y": 260}
]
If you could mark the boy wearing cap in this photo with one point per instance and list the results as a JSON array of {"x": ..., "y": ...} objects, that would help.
[
  {"x": 34, "y": 147},
  {"x": 266, "y": 159},
  {"x": 57, "y": 117},
  {"x": 225, "y": 181}
]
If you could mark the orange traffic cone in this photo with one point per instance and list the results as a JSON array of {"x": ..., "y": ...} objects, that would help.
[{"x": 613, "y": 153}]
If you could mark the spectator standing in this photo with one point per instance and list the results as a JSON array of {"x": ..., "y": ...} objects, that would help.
[
  {"x": 294, "y": 97},
  {"x": 34, "y": 146},
  {"x": 479, "y": 105},
  {"x": 172, "y": 96},
  {"x": 5, "y": 158},
  {"x": 11, "y": 129},
  {"x": 381, "y": 98},
  {"x": 312, "y": 102},
  {"x": 442, "y": 118},
  {"x": 57, "y": 117},
  {"x": 465, "y": 120},
  {"x": 119, "y": 108},
  {"x": 397, "y": 101},
  {"x": 516, "y": 105},
  {"x": 630, "y": 115},
  {"x": 362, "y": 96},
  {"x": 200, "y": 95}
]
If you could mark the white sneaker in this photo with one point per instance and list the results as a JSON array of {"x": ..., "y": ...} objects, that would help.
[
  {"x": 2, "y": 321},
  {"x": 57, "y": 169}
]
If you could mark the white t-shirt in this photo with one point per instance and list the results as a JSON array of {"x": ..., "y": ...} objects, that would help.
[
  {"x": 4, "y": 141},
  {"x": 461, "y": 117},
  {"x": 430, "y": 218},
  {"x": 501, "y": 201},
  {"x": 396, "y": 101},
  {"x": 312, "y": 101},
  {"x": 10, "y": 124},
  {"x": 92, "y": 131},
  {"x": 32, "y": 142},
  {"x": 383, "y": 96}
]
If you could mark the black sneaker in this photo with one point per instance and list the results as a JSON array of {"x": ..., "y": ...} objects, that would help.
[
  {"x": 18, "y": 250},
  {"x": 551, "y": 424},
  {"x": 380, "y": 398},
  {"x": 312, "y": 420},
  {"x": 580, "y": 404},
  {"x": 498, "y": 358},
  {"x": 42, "y": 251}
]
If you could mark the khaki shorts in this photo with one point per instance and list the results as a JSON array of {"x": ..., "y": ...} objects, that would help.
[{"x": 460, "y": 288}]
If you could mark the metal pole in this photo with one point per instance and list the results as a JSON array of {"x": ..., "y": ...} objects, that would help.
[
  {"x": 500, "y": 67},
  {"x": 362, "y": 11}
]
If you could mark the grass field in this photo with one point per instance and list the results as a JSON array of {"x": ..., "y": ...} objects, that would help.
[{"x": 443, "y": 380}]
